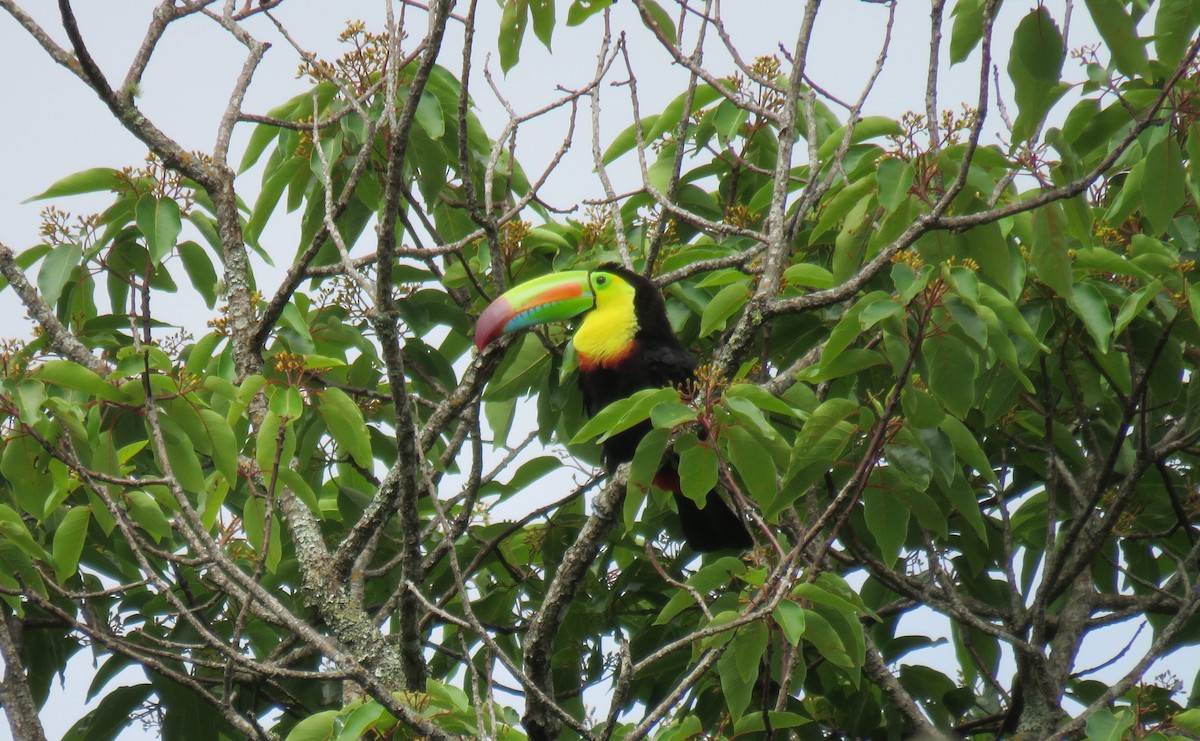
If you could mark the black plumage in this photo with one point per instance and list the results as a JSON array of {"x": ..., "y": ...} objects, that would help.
[{"x": 659, "y": 359}]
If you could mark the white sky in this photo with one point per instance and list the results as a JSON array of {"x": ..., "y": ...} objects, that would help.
[{"x": 54, "y": 126}]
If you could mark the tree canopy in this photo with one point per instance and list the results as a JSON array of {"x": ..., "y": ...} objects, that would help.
[{"x": 947, "y": 363}]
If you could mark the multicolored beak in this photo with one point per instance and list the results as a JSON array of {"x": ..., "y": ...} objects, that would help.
[{"x": 550, "y": 298}]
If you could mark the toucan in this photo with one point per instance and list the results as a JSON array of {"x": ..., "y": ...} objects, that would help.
[{"x": 624, "y": 343}]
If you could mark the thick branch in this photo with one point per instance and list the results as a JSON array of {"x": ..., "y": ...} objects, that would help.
[
  {"x": 18, "y": 702},
  {"x": 61, "y": 339},
  {"x": 539, "y": 721}
]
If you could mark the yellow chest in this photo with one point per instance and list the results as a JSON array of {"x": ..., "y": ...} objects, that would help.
[{"x": 605, "y": 337}]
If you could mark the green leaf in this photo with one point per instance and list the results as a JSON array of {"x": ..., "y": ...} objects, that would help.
[
  {"x": 267, "y": 443},
  {"x": 56, "y": 270},
  {"x": 1035, "y": 66},
  {"x": 1118, "y": 30},
  {"x": 697, "y": 468},
  {"x": 715, "y": 575},
  {"x": 967, "y": 29},
  {"x": 532, "y": 470},
  {"x": 748, "y": 646},
  {"x": 867, "y": 127},
  {"x": 260, "y": 139},
  {"x": 729, "y": 119},
  {"x": 1006, "y": 312},
  {"x": 841, "y": 204},
  {"x": 823, "y": 421},
  {"x": 662, "y": 170},
  {"x": 224, "y": 444},
  {"x": 1162, "y": 188},
  {"x": 159, "y": 221},
  {"x": 200, "y": 271},
  {"x": 1134, "y": 305},
  {"x": 750, "y": 416},
  {"x": 346, "y": 424},
  {"x": 292, "y": 479},
  {"x": 1089, "y": 305},
  {"x": 646, "y": 459},
  {"x": 321, "y": 362},
  {"x": 991, "y": 250},
  {"x": 878, "y": 311},
  {"x": 294, "y": 109},
  {"x": 74, "y": 376},
  {"x": 964, "y": 503},
  {"x": 1104, "y": 725},
  {"x": 735, "y": 688},
  {"x": 1050, "y": 255},
  {"x": 500, "y": 415},
  {"x": 543, "y": 20},
  {"x": 967, "y": 448},
  {"x": 623, "y": 414},
  {"x": 808, "y": 275},
  {"x": 316, "y": 727},
  {"x": 761, "y": 398},
  {"x": 254, "y": 521},
  {"x": 849, "y": 327},
  {"x": 181, "y": 453},
  {"x": 887, "y": 520},
  {"x": 1100, "y": 259},
  {"x": 659, "y": 21},
  {"x": 816, "y": 594},
  {"x": 1173, "y": 26},
  {"x": 822, "y": 635},
  {"x": 68, "y": 542},
  {"x": 790, "y": 618},
  {"x": 429, "y": 116},
  {"x": 513, "y": 21},
  {"x": 756, "y": 722},
  {"x": 724, "y": 305},
  {"x": 671, "y": 413},
  {"x": 953, "y": 367},
  {"x": 850, "y": 362},
  {"x": 268, "y": 197},
  {"x": 144, "y": 510},
  {"x": 1193, "y": 293},
  {"x": 895, "y": 177},
  {"x": 627, "y": 139},
  {"x": 362, "y": 718},
  {"x": 756, "y": 469},
  {"x": 22, "y": 463},
  {"x": 674, "y": 112},
  {"x": 287, "y": 402},
  {"x": 1188, "y": 720},
  {"x": 13, "y": 529},
  {"x": 85, "y": 181},
  {"x": 581, "y": 10},
  {"x": 114, "y": 713},
  {"x": 519, "y": 371}
]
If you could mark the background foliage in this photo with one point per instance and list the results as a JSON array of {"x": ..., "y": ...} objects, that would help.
[{"x": 948, "y": 363}]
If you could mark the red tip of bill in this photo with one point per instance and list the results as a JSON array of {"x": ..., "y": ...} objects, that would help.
[{"x": 491, "y": 322}]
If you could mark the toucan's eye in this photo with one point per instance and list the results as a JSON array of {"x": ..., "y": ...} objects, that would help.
[{"x": 601, "y": 280}]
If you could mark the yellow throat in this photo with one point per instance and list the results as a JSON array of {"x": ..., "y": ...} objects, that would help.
[{"x": 605, "y": 336}]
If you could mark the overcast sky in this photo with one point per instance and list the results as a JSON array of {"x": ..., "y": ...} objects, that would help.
[{"x": 53, "y": 126}]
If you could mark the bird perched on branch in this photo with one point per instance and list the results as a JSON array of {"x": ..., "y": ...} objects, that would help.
[{"x": 625, "y": 344}]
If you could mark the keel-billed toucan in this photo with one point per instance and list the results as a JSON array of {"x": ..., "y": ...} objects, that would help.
[{"x": 625, "y": 344}]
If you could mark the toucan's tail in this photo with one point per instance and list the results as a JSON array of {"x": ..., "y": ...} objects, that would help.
[{"x": 713, "y": 527}]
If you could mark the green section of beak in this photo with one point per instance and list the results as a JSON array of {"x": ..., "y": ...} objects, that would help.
[{"x": 550, "y": 298}]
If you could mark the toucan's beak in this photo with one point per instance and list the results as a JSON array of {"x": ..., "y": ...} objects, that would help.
[{"x": 550, "y": 298}]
